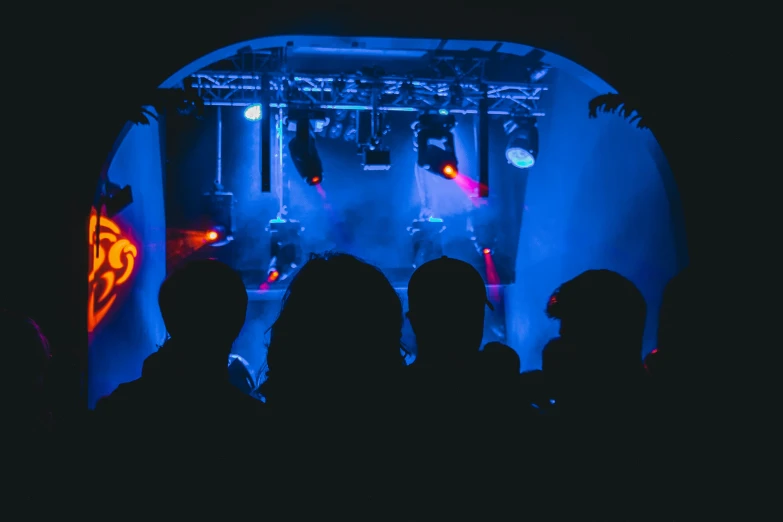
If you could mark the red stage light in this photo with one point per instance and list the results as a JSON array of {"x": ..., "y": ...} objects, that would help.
[
  {"x": 212, "y": 235},
  {"x": 486, "y": 251},
  {"x": 449, "y": 172},
  {"x": 315, "y": 180},
  {"x": 273, "y": 275}
]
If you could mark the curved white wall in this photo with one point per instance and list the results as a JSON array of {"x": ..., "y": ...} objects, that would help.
[
  {"x": 133, "y": 328},
  {"x": 595, "y": 199}
]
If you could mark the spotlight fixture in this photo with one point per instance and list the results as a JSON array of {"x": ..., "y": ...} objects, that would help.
[
  {"x": 371, "y": 128},
  {"x": 219, "y": 215},
  {"x": 435, "y": 144},
  {"x": 377, "y": 159},
  {"x": 217, "y": 236},
  {"x": 253, "y": 112},
  {"x": 522, "y": 148},
  {"x": 284, "y": 248},
  {"x": 303, "y": 152},
  {"x": 335, "y": 130}
]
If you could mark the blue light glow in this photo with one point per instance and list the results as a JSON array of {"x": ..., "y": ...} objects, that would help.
[
  {"x": 443, "y": 112},
  {"x": 253, "y": 112},
  {"x": 520, "y": 158},
  {"x": 435, "y": 220},
  {"x": 277, "y": 220}
]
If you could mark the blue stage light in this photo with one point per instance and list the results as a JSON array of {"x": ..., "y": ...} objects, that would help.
[
  {"x": 520, "y": 158},
  {"x": 253, "y": 112}
]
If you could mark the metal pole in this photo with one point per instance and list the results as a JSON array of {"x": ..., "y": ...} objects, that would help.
[
  {"x": 219, "y": 174},
  {"x": 265, "y": 150},
  {"x": 483, "y": 148}
]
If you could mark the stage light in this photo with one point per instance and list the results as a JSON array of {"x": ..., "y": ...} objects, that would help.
[
  {"x": 443, "y": 112},
  {"x": 217, "y": 236},
  {"x": 304, "y": 154},
  {"x": 284, "y": 248},
  {"x": 218, "y": 216},
  {"x": 522, "y": 148},
  {"x": 486, "y": 251},
  {"x": 336, "y": 130},
  {"x": 253, "y": 112},
  {"x": 449, "y": 172},
  {"x": 350, "y": 133},
  {"x": 377, "y": 159},
  {"x": 435, "y": 144}
]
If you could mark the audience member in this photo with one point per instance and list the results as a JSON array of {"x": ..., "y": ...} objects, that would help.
[
  {"x": 332, "y": 389},
  {"x": 183, "y": 415},
  {"x": 602, "y": 317}
]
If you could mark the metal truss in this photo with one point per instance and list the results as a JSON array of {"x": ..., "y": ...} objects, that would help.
[{"x": 360, "y": 92}]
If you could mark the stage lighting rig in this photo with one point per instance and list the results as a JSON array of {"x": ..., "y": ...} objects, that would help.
[
  {"x": 302, "y": 147},
  {"x": 522, "y": 148},
  {"x": 284, "y": 248},
  {"x": 434, "y": 143}
]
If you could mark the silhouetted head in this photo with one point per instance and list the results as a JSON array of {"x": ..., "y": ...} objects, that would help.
[
  {"x": 603, "y": 312},
  {"x": 338, "y": 333},
  {"x": 203, "y": 305},
  {"x": 446, "y": 302},
  {"x": 26, "y": 355},
  {"x": 501, "y": 359}
]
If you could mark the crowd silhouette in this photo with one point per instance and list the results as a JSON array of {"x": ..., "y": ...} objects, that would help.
[{"x": 342, "y": 427}]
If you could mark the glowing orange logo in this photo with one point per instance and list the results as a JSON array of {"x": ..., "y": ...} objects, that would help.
[{"x": 111, "y": 265}]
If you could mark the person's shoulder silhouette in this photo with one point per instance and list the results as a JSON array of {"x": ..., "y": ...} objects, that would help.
[{"x": 203, "y": 305}]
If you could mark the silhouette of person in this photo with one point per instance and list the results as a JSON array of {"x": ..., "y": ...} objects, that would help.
[
  {"x": 336, "y": 341},
  {"x": 449, "y": 409},
  {"x": 333, "y": 363},
  {"x": 602, "y": 317},
  {"x": 501, "y": 358},
  {"x": 184, "y": 400},
  {"x": 446, "y": 302},
  {"x": 600, "y": 369}
]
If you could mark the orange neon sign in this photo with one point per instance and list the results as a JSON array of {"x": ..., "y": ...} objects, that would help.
[{"x": 111, "y": 266}]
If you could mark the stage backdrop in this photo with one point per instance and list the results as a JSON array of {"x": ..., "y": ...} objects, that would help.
[
  {"x": 600, "y": 196},
  {"x": 132, "y": 327}
]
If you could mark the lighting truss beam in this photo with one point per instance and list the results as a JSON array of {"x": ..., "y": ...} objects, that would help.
[{"x": 354, "y": 92}]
